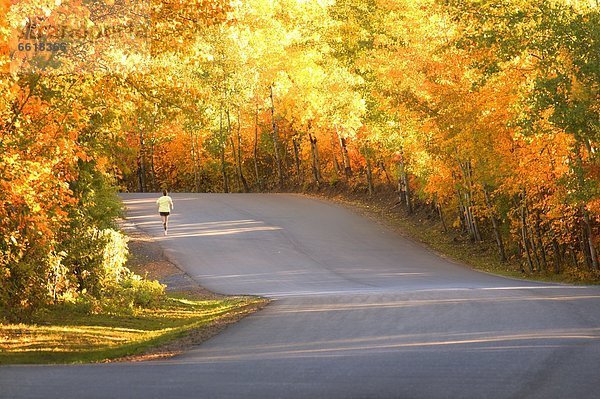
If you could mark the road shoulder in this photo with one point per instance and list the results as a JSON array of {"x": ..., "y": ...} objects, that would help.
[{"x": 147, "y": 259}]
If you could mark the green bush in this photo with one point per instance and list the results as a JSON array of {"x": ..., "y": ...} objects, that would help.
[
  {"x": 97, "y": 260},
  {"x": 144, "y": 293},
  {"x": 94, "y": 260},
  {"x": 130, "y": 294}
]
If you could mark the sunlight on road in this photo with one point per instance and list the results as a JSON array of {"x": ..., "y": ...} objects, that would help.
[
  {"x": 217, "y": 232},
  {"x": 217, "y": 228},
  {"x": 550, "y": 339}
]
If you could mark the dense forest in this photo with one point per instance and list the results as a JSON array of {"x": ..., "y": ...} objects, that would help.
[{"x": 485, "y": 112}]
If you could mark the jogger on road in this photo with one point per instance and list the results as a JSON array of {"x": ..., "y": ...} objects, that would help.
[{"x": 165, "y": 206}]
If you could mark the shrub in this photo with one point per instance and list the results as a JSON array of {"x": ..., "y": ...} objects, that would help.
[
  {"x": 130, "y": 294},
  {"x": 87, "y": 268},
  {"x": 144, "y": 293},
  {"x": 98, "y": 260}
]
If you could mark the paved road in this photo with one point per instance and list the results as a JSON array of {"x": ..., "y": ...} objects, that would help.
[{"x": 358, "y": 312}]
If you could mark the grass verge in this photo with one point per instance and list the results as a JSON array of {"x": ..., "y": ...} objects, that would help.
[
  {"x": 67, "y": 335},
  {"x": 187, "y": 316}
]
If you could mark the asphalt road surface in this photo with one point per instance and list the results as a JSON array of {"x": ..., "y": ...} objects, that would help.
[{"x": 358, "y": 312}]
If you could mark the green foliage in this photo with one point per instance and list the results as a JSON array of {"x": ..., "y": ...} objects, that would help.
[
  {"x": 129, "y": 294},
  {"x": 97, "y": 260},
  {"x": 99, "y": 204},
  {"x": 85, "y": 263}
]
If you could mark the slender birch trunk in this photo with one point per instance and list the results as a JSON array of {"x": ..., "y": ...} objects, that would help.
[
  {"x": 403, "y": 184},
  {"x": 222, "y": 144},
  {"x": 235, "y": 165},
  {"x": 524, "y": 232},
  {"x": 476, "y": 233},
  {"x": 540, "y": 243},
  {"x": 195, "y": 160},
  {"x": 152, "y": 169},
  {"x": 369, "y": 177},
  {"x": 255, "y": 149},
  {"x": 385, "y": 172},
  {"x": 344, "y": 151},
  {"x": 336, "y": 165},
  {"x": 590, "y": 239},
  {"x": 239, "y": 154},
  {"x": 441, "y": 215},
  {"x": 494, "y": 220},
  {"x": 316, "y": 167},
  {"x": 276, "y": 141},
  {"x": 589, "y": 242},
  {"x": 585, "y": 249},
  {"x": 557, "y": 257},
  {"x": 142, "y": 162},
  {"x": 296, "y": 144}
]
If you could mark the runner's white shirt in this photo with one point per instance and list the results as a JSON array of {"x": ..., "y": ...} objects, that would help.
[{"x": 165, "y": 203}]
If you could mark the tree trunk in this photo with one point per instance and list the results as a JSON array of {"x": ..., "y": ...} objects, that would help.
[
  {"x": 196, "y": 161},
  {"x": 497, "y": 235},
  {"x": 345, "y": 157},
  {"x": 316, "y": 167},
  {"x": 233, "y": 152},
  {"x": 556, "y": 249},
  {"x": 222, "y": 143},
  {"x": 385, "y": 172},
  {"x": 403, "y": 185},
  {"x": 585, "y": 249},
  {"x": 140, "y": 175},
  {"x": 297, "y": 159},
  {"x": 142, "y": 163},
  {"x": 464, "y": 228},
  {"x": 461, "y": 211},
  {"x": 369, "y": 177},
  {"x": 469, "y": 217},
  {"x": 524, "y": 234},
  {"x": 239, "y": 154},
  {"x": 589, "y": 242},
  {"x": 469, "y": 180},
  {"x": 441, "y": 215},
  {"x": 276, "y": 141},
  {"x": 540, "y": 242},
  {"x": 284, "y": 153},
  {"x": 153, "y": 184},
  {"x": 534, "y": 250},
  {"x": 255, "y": 150},
  {"x": 574, "y": 261},
  {"x": 235, "y": 165},
  {"x": 590, "y": 238},
  {"x": 336, "y": 165}
]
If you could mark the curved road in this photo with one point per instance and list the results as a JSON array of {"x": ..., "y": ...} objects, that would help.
[{"x": 358, "y": 312}]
